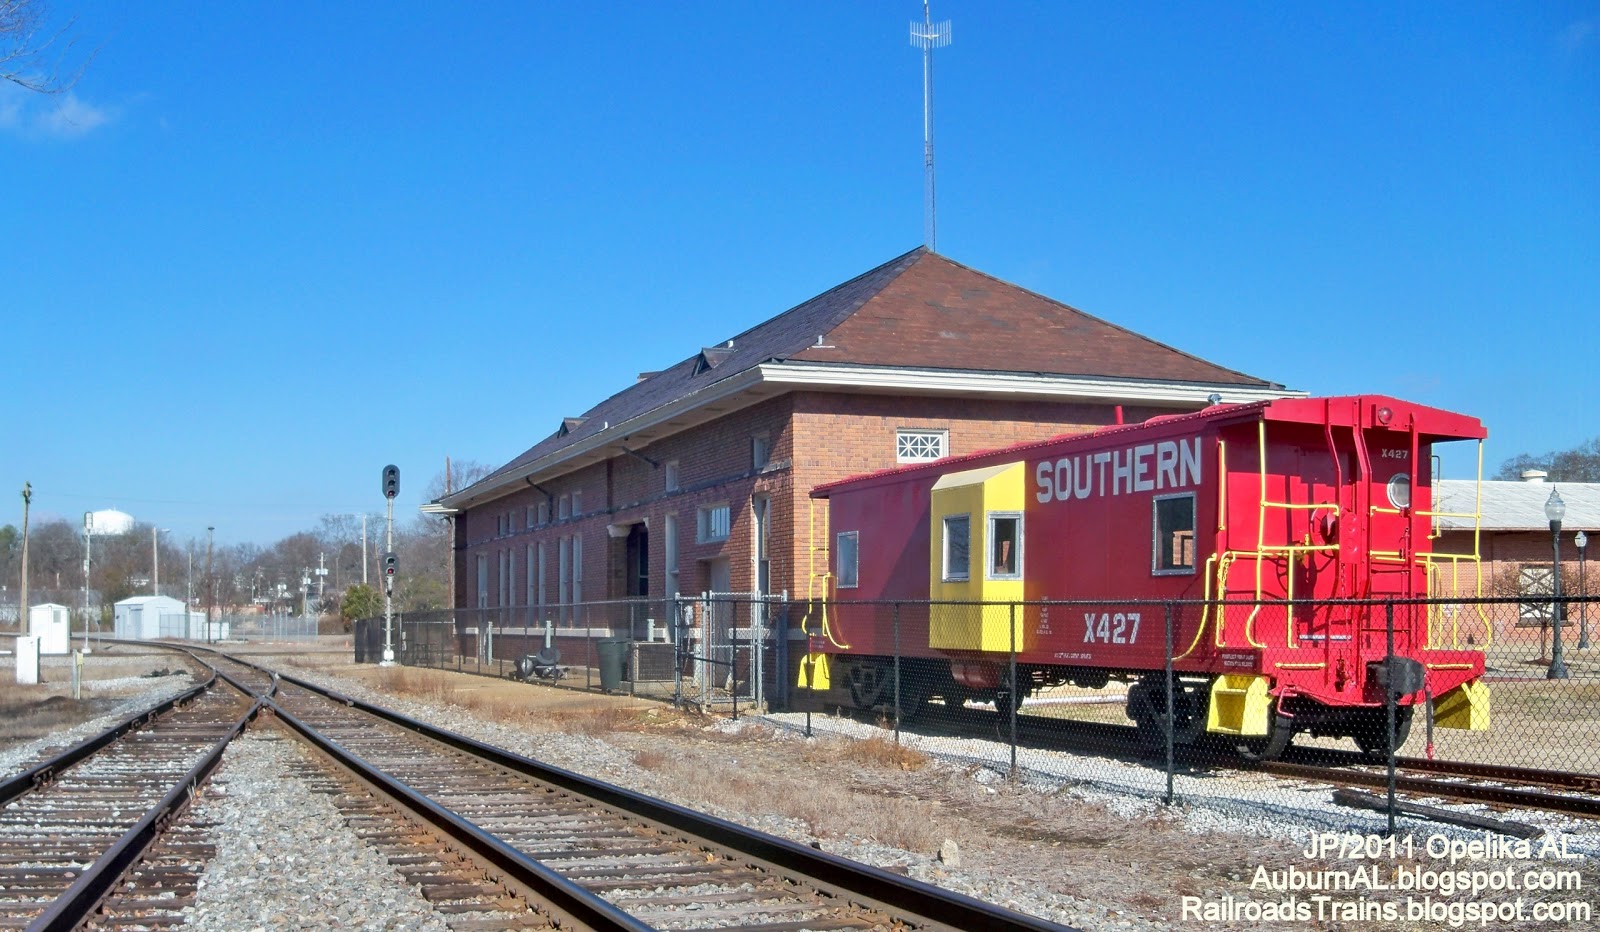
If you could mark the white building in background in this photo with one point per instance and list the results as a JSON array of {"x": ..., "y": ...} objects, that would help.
[
  {"x": 147, "y": 617},
  {"x": 140, "y": 617},
  {"x": 108, "y": 522},
  {"x": 52, "y": 625}
]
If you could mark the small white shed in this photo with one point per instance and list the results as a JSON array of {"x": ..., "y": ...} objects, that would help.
[
  {"x": 139, "y": 618},
  {"x": 52, "y": 625}
]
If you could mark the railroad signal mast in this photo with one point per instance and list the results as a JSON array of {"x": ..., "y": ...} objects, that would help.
[{"x": 391, "y": 488}]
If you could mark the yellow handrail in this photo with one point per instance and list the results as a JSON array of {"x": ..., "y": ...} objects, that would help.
[
  {"x": 814, "y": 577},
  {"x": 1205, "y": 611}
]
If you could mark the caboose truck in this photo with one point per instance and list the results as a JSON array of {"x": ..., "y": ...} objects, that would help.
[{"x": 1252, "y": 516}]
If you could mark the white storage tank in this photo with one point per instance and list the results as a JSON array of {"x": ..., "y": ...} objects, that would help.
[
  {"x": 52, "y": 625},
  {"x": 109, "y": 522}
]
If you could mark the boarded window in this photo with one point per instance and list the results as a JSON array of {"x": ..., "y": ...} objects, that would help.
[
  {"x": 1174, "y": 534},
  {"x": 1005, "y": 546}
]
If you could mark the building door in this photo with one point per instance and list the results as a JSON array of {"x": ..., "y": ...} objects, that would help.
[{"x": 637, "y": 561}]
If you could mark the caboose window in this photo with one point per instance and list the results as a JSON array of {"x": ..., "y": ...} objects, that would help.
[
  {"x": 1005, "y": 546},
  {"x": 957, "y": 547},
  {"x": 1174, "y": 535},
  {"x": 847, "y": 559}
]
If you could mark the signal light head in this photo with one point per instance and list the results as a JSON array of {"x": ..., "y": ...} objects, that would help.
[{"x": 391, "y": 481}]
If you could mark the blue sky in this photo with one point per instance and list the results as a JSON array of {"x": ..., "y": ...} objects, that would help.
[{"x": 260, "y": 250}]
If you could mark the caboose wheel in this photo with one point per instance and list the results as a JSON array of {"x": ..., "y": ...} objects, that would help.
[
  {"x": 1279, "y": 735},
  {"x": 1367, "y": 731}
]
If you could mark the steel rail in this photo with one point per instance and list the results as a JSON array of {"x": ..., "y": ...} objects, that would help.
[
  {"x": 567, "y": 900},
  {"x": 861, "y": 883},
  {"x": 86, "y": 893},
  {"x": 42, "y": 773}
]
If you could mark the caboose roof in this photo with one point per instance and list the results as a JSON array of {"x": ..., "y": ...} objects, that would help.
[
  {"x": 918, "y": 324},
  {"x": 1347, "y": 410}
]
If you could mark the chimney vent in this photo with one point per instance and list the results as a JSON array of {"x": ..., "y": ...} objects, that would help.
[{"x": 1534, "y": 475}]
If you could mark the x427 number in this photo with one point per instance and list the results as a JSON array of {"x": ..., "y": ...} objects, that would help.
[{"x": 1109, "y": 628}]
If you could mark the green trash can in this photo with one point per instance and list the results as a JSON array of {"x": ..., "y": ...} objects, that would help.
[{"x": 613, "y": 658}]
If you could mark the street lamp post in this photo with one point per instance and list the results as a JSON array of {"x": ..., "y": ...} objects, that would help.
[
  {"x": 1555, "y": 509},
  {"x": 1582, "y": 540}
]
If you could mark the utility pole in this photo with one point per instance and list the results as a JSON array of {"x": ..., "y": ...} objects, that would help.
[
  {"x": 322, "y": 578},
  {"x": 363, "y": 548},
  {"x": 211, "y": 588},
  {"x": 22, "y": 603}
]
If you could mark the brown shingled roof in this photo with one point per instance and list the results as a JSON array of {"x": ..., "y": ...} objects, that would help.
[{"x": 919, "y": 310}]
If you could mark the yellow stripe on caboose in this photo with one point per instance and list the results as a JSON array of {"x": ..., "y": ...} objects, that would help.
[{"x": 987, "y": 566}]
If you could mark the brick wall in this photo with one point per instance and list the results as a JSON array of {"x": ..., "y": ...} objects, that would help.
[{"x": 813, "y": 437}]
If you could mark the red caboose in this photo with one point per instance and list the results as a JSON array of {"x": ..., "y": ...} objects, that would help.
[{"x": 1255, "y": 516}]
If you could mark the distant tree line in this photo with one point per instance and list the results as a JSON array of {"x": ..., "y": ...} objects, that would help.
[
  {"x": 245, "y": 576},
  {"x": 1579, "y": 464}
]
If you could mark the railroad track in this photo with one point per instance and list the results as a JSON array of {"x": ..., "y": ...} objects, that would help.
[
  {"x": 1492, "y": 785},
  {"x": 71, "y": 826},
  {"x": 600, "y": 855}
]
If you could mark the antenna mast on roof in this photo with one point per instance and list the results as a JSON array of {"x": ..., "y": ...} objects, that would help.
[{"x": 928, "y": 35}]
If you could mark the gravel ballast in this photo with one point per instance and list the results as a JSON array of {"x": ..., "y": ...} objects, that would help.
[{"x": 285, "y": 858}]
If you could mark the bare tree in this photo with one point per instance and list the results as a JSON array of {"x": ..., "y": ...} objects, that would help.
[
  {"x": 1579, "y": 464},
  {"x": 32, "y": 52}
]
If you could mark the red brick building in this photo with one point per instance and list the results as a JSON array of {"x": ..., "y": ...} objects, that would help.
[{"x": 698, "y": 477}]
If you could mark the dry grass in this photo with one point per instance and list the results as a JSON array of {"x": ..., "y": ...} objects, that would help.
[
  {"x": 29, "y": 712},
  {"x": 873, "y": 752}
]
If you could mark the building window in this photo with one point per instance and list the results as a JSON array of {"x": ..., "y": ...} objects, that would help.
[
  {"x": 847, "y": 559},
  {"x": 543, "y": 599},
  {"x": 499, "y": 525},
  {"x": 563, "y": 568},
  {"x": 714, "y": 524},
  {"x": 921, "y": 446},
  {"x": 760, "y": 451},
  {"x": 528, "y": 518},
  {"x": 529, "y": 577},
  {"x": 483, "y": 581},
  {"x": 577, "y": 568},
  {"x": 505, "y": 578},
  {"x": 671, "y": 553},
  {"x": 1005, "y": 545},
  {"x": 957, "y": 548},
  {"x": 564, "y": 507},
  {"x": 544, "y": 513},
  {"x": 672, "y": 475},
  {"x": 577, "y": 503},
  {"x": 1174, "y": 535}
]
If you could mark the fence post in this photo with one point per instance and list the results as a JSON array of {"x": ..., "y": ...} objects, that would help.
[
  {"x": 1016, "y": 698},
  {"x": 1171, "y": 705},
  {"x": 1388, "y": 701},
  {"x": 733, "y": 657},
  {"x": 897, "y": 671}
]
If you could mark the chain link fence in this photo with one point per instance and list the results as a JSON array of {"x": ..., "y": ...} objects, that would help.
[
  {"x": 1190, "y": 698},
  {"x": 719, "y": 652},
  {"x": 1187, "y": 706}
]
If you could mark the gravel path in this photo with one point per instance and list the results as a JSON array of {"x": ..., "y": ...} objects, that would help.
[{"x": 286, "y": 860}]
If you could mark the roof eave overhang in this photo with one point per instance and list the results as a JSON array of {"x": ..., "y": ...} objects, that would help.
[{"x": 767, "y": 380}]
